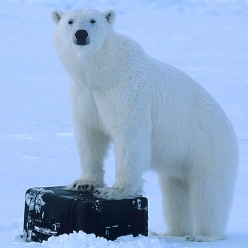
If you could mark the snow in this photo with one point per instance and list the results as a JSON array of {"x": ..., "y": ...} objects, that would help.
[{"x": 206, "y": 39}]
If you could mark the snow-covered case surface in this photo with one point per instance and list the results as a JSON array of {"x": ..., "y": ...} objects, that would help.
[{"x": 52, "y": 211}]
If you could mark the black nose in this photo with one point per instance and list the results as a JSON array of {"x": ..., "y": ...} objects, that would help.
[{"x": 81, "y": 36}]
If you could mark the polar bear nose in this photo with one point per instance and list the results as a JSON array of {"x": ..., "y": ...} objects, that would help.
[{"x": 81, "y": 37}]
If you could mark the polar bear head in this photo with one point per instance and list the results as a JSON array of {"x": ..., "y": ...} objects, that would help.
[{"x": 82, "y": 31}]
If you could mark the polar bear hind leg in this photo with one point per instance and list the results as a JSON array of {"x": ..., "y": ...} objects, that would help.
[
  {"x": 176, "y": 206},
  {"x": 197, "y": 210},
  {"x": 210, "y": 205}
]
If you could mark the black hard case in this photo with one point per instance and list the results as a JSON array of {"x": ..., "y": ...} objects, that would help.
[{"x": 52, "y": 211}]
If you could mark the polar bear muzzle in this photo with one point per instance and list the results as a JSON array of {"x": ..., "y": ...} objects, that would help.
[{"x": 81, "y": 37}]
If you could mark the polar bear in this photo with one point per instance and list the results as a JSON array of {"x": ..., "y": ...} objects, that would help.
[{"x": 156, "y": 116}]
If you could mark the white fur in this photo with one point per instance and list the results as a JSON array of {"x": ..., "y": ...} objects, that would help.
[{"x": 157, "y": 117}]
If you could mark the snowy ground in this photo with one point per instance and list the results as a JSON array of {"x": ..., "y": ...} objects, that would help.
[{"x": 206, "y": 39}]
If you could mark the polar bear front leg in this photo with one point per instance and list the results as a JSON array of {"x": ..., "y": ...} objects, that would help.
[
  {"x": 92, "y": 147},
  {"x": 133, "y": 151}
]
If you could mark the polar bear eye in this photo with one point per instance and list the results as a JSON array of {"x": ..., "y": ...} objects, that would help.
[
  {"x": 92, "y": 21},
  {"x": 70, "y": 22}
]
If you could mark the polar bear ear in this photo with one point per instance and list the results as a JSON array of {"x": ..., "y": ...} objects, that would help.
[
  {"x": 110, "y": 15},
  {"x": 56, "y": 15}
]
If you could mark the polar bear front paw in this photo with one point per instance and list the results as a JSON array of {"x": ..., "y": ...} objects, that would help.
[
  {"x": 83, "y": 185},
  {"x": 111, "y": 193}
]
